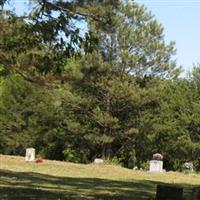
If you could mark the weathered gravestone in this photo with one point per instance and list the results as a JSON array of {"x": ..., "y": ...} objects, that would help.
[
  {"x": 30, "y": 154},
  {"x": 169, "y": 192},
  {"x": 98, "y": 161},
  {"x": 188, "y": 166},
  {"x": 156, "y": 164}
]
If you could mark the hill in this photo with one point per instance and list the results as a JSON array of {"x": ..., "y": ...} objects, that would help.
[{"x": 57, "y": 180}]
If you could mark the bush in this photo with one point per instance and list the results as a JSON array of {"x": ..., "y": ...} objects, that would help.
[{"x": 71, "y": 155}]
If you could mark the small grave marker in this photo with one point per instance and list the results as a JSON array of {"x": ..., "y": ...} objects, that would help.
[
  {"x": 98, "y": 161},
  {"x": 188, "y": 166}
]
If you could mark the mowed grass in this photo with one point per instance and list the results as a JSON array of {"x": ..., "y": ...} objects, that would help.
[{"x": 56, "y": 180}]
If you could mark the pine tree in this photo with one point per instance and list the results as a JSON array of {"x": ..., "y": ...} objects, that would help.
[{"x": 119, "y": 83}]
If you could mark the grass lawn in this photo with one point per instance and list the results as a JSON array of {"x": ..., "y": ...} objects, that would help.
[{"x": 60, "y": 180}]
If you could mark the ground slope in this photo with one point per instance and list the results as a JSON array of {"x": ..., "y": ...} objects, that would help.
[{"x": 60, "y": 180}]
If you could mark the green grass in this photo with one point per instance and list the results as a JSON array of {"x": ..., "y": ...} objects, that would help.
[{"x": 55, "y": 180}]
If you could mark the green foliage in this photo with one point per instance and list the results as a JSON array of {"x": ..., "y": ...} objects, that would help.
[
  {"x": 71, "y": 155},
  {"x": 21, "y": 109}
]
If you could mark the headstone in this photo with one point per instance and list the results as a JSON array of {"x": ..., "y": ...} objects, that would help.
[
  {"x": 30, "y": 154},
  {"x": 135, "y": 168},
  {"x": 195, "y": 193},
  {"x": 98, "y": 161},
  {"x": 188, "y": 166},
  {"x": 169, "y": 192},
  {"x": 156, "y": 164}
]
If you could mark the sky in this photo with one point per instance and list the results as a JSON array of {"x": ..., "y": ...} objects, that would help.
[{"x": 181, "y": 22}]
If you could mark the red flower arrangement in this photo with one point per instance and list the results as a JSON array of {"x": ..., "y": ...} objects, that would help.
[{"x": 39, "y": 160}]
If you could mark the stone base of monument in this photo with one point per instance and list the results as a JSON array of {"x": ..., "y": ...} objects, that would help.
[{"x": 169, "y": 192}]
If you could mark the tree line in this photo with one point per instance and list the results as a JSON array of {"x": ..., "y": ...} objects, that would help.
[{"x": 84, "y": 79}]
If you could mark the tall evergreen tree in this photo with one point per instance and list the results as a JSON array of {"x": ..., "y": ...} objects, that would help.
[{"x": 119, "y": 83}]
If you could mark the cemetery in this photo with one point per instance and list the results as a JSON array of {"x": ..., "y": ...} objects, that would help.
[
  {"x": 95, "y": 180},
  {"x": 99, "y": 100}
]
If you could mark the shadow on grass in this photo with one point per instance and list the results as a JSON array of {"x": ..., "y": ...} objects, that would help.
[{"x": 35, "y": 186}]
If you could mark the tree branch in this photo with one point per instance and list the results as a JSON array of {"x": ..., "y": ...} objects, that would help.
[{"x": 68, "y": 10}]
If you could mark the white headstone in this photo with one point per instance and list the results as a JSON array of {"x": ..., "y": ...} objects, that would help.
[
  {"x": 98, "y": 161},
  {"x": 30, "y": 154},
  {"x": 156, "y": 166}
]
